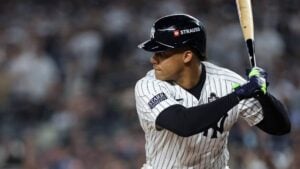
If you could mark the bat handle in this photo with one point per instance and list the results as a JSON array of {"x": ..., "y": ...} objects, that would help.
[{"x": 250, "y": 46}]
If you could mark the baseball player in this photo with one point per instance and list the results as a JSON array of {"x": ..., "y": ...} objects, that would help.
[{"x": 187, "y": 106}]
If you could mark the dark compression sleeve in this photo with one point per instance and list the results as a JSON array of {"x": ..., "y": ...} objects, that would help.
[
  {"x": 275, "y": 120},
  {"x": 186, "y": 122}
]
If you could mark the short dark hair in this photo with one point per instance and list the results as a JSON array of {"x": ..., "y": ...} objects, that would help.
[{"x": 201, "y": 56}]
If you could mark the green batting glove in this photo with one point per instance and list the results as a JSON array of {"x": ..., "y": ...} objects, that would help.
[
  {"x": 235, "y": 86},
  {"x": 264, "y": 88},
  {"x": 254, "y": 73},
  {"x": 261, "y": 75}
]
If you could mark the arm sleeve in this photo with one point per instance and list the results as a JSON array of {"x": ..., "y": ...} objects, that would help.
[
  {"x": 186, "y": 122},
  {"x": 275, "y": 119}
]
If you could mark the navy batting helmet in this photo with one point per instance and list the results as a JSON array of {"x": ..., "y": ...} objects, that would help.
[{"x": 176, "y": 31}]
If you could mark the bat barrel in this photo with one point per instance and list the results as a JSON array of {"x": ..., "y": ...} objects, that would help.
[{"x": 246, "y": 21}]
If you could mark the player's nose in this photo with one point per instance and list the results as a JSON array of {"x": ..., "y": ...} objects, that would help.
[{"x": 154, "y": 59}]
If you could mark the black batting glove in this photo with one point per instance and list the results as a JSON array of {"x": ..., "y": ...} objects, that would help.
[
  {"x": 248, "y": 90},
  {"x": 262, "y": 75},
  {"x": 256, "y": 86},
  {"x": 257, "y": 72}
]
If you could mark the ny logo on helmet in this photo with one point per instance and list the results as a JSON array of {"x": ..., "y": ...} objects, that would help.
[{"x": 152, "y": 32}]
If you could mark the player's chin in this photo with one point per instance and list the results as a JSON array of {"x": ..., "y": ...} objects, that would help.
[{"x": 160, "y": 76}]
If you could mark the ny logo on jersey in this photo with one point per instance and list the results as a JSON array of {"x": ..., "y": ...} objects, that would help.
[{"x": 217, "y": 127}]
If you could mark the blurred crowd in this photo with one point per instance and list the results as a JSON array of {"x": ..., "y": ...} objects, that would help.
[{"x": 68, "y": 69}]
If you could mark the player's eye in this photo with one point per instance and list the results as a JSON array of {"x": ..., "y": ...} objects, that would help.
[{"x": 163, "y": 55}]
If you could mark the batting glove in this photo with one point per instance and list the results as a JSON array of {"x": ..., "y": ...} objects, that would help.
[
  {"x": 255, "y": 87},
  {"x": 262, "y": 76}
]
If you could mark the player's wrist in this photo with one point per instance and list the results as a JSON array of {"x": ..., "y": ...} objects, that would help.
[
  {"x": 237, "y": 96},
  {"x": 234, "y": 96}
]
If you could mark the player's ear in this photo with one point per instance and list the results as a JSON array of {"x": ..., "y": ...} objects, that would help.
[{"x": 187, "y": 57}]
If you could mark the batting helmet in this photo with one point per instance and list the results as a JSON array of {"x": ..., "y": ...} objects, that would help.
[{"x": 176, "y": 31}]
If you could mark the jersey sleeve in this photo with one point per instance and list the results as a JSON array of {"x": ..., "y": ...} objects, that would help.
[
  {"x": 152, "y": 97},
  {"x": 251, "y": 111}
]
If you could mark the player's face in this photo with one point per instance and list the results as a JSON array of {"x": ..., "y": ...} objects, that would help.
[{"x": 168, "y": 64}]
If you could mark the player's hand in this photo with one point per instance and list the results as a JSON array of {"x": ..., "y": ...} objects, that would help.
[
  {"x": 262, "y": 76},
  {"x": 257, "y": 72},
  {"x": 255, "y": 87}
]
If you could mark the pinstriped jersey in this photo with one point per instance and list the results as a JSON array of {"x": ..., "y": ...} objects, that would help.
[{"x": 205, "y": 150}]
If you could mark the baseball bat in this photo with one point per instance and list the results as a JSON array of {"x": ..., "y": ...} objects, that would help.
[{"x": 244, "y": 9}]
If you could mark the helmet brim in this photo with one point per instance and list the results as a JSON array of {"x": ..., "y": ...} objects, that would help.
[{"x": 154, "y": 46}]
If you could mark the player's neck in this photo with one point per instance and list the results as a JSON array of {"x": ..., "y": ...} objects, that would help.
[{"x": 190, "y": 76}]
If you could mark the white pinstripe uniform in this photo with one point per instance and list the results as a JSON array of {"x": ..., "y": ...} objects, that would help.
[{"x": 206, "y": 150}]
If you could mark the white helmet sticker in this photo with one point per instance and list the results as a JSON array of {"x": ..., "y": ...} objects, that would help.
[{"x": 152, "y": 33}]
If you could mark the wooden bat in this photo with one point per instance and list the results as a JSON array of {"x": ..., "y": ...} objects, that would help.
[{"x": 244, "y": 9}]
